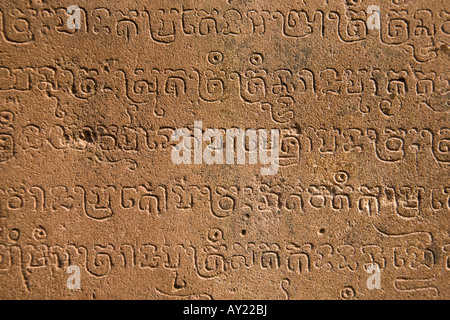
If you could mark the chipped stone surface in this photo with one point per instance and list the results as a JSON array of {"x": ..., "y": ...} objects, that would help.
[{"x": 86, "y": 176}]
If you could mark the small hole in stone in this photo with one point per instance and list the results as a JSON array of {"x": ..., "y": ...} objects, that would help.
[
  {"x": 322, "y": 231},
  {"x": 247, "y": 216},
  {"x": 87, "y": 136},
  {"x": 243, "y": 232}
]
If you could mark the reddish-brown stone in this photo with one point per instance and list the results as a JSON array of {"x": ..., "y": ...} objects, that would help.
[{"x": 87, "y": 178}]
